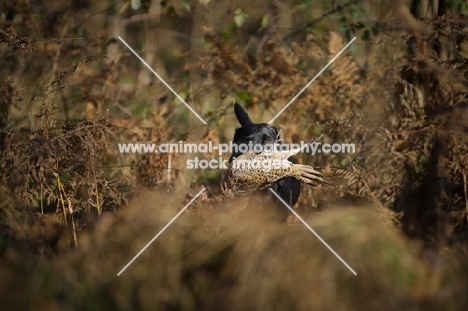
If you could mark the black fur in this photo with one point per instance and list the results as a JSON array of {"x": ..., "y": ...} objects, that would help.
[{"x": 261, "y": 133}]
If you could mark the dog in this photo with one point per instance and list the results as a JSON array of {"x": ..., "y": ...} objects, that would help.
[{"x": 262, "y": 134}]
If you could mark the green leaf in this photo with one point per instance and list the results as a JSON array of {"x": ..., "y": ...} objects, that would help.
[
  {"x": 265, "y": 20},
  {"x": 185, "y": 4},
  {"x": 136, "y": 4},
  {"x": 240, "y": 17},
  {"x": 243, "y": 95}
]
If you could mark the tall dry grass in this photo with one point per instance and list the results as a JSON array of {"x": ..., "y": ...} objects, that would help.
[
  {"x": 248, "y": 263},
  {"x": 73, "y": 211}
]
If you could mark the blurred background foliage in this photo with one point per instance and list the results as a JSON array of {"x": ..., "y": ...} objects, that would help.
[{"x": 74, "y": 211}]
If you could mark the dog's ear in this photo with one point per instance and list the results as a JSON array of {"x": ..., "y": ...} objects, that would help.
[{"x": 241, "y": 115}]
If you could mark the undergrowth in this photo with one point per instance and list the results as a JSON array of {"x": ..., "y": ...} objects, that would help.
[{"x": 73, "y": 210}]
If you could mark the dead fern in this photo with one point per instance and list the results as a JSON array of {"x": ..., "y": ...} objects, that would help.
[{"x": 11, "y": 38}]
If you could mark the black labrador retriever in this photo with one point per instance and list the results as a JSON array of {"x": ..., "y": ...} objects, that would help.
[{"x": 261, "y": 133}]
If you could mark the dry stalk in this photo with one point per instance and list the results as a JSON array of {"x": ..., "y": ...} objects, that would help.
[
  {"x": 465, "y": 189},
  {"x": 70, "y": 209},
  {"x": 95, "y": 184}
]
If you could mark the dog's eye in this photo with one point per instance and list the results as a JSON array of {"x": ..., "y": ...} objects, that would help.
[{"x": 267, "y": 140}]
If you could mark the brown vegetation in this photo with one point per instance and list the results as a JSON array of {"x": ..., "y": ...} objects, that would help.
[{"x": 74, "y": 211}]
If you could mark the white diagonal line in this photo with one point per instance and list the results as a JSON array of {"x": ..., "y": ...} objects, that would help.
[
  {"x": 160, "y": 232},
  {"x": 311, "y": 81},
  {"x": 161, "y": 79},
  {"x": 315, "y": 233}
]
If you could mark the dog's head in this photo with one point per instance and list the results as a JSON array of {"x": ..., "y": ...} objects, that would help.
[{"x": 256, "y": 133}]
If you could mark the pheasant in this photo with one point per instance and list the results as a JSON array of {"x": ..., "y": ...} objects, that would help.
[{"x": 251, "y": 171}]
